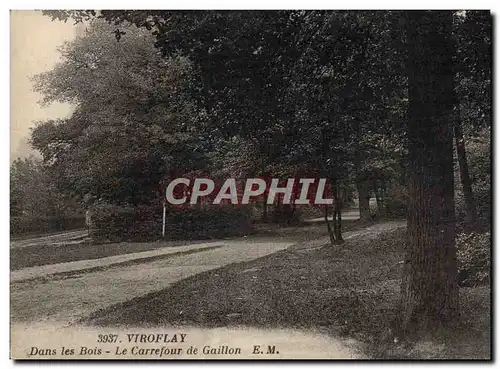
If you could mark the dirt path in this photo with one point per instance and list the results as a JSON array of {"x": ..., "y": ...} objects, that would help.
[{"x": 369, "y": 232}]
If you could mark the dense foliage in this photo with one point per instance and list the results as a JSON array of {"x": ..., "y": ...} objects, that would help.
[
  {"x": 474, "y": 258},
  {"x": 112, "y": 223},
  {"x": 37, "y": 205}
]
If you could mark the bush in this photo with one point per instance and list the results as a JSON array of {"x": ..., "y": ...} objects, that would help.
[
  {"x": 396, "y": 200},
  {"x": 474, "y": 258},
  {"x": 20, "y": 225},
  {"x": 479, "y": 160},
  {"x": 111, "y": 223},
  {"x": 285, "y": 214},
  {"x": 482, "y": 194},
  {"x": 215, "y": 222}
]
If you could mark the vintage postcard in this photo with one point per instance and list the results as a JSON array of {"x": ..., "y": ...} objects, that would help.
[{"x": 262, "y": 185}]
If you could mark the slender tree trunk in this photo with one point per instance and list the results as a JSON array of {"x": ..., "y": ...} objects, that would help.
[
  {"x": 470, "y": 203},
  {"x": 429, "y": 293},
  {"x": 376, "y": 191},
  {"x": 277, "y": 212},
  {"x": 293, "y": 209},
  {"x": 329, "y": 227},
  {"x": 338, "y": 231},
  {"x": 264, "y": 208},
  {"x": 363, "y": 188},
  {"x": 337, "y": 217}
]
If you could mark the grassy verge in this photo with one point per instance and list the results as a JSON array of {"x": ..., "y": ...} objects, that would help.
[
  {"x": 122, "y": 264},
  {"x": 29, "y": 256},
  {"x": 26, "y": 236},
  {"x": 350, "y": 290}
]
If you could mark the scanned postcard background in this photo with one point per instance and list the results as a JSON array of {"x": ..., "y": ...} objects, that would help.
[{"x": 58, "y": 305}]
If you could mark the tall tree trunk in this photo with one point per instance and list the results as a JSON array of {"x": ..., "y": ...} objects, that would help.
[
  {"x": 277, "y": 212},
  {"x": 363, "y": 188},
  {"x": 429, "y": 293},
  {"x": 337, "y": 217},
  {"x": 329, "y": 227},
  {"x": 338, "y": 230},
  {"x": 470, "y": 203},
  {"x": 376, "y": 191},
  {"x": 264, "y": 208},
  {"x": 362, "y": 185}
]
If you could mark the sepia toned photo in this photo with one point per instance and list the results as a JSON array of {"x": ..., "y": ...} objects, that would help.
[{"x": 250, "y": 185}]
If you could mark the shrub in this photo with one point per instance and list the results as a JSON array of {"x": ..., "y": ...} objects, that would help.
[
  {"x": 479, "y": 159},
  {"x": 207, "y": 223},
  {"x": 21, "y": 224},
  {"x": 111, "y": 223},
  {"x": 396, "y": 200},
  {"x": 474, "y": 258},
  {"x": 285, "y": 214},
  {"x": 482, "y": 195}
]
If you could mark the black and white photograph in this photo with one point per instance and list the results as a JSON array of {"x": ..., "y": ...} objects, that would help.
[{"x": 251, "y": 184}]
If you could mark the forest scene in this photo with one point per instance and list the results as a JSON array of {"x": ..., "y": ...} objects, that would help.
[{"x": 392, "y": 108}]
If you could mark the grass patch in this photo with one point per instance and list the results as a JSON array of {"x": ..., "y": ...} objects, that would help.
[
  {"x": 79, "y": 272},
  {"x": 27, "y": 236},
  {"x": 24, "y": 257}
]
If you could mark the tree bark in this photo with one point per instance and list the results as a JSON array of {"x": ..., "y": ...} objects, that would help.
[
  {"x": 363, "y": 188},
  {"x": 264, "y": 208},
  {"x": 429, "y": 293},
  {"x": 362, "y": 185},
  {"x": 329, "y": 227},
  {"x": 338, "y": 230},
  {"x": 337, "y": 216},
  {"x": 378, "y": 198},
  {"x": 470, "y": 203}
]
